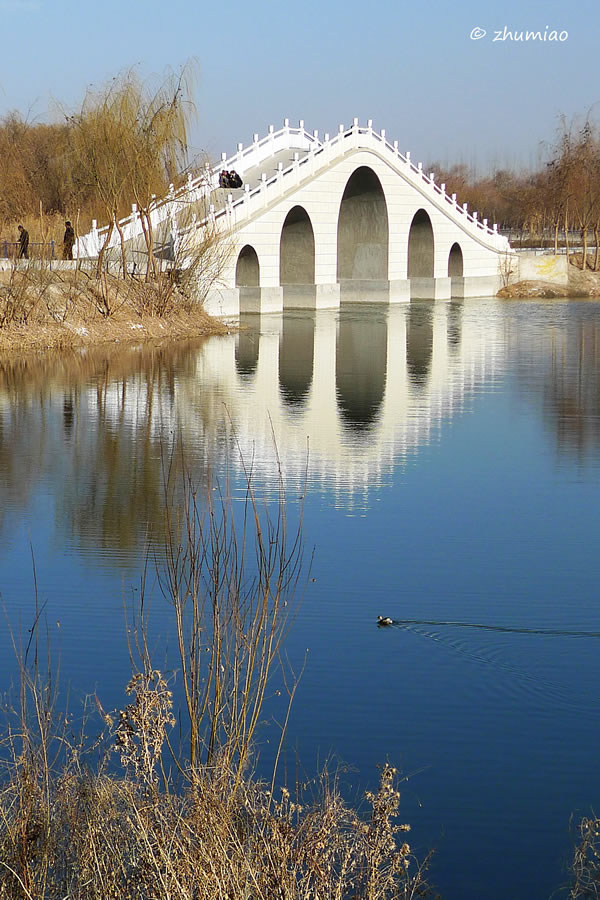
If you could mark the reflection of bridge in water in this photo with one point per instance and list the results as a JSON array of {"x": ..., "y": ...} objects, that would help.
[{"x": 357, "y": 392}]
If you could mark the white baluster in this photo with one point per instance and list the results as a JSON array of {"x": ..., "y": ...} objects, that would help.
[
  {"x": 432, "y": 176},
  {"x": 382, "y": 132},
  {"x": 443, "y": 187},
  {"x": 396, "y": 146},
  {"x": 495, "y": 228},
  {"x": 454, "y": 199},
  {"x": 485, "y": 221}
]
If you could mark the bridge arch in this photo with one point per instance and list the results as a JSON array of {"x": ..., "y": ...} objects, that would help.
[
  {"x": 363, "y": 229},
  {"x": 297, "y": 248},
  {"x": 420, "y": 246},
  {"x": 247, "y": 270},
  {"x": 455, "y": 261}
]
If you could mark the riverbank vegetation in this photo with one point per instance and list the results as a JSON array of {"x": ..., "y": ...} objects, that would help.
[
  {"x": 145, "y": 809},
  {"x": 124, "y": 148},
  {"x": 43, "y": 308}
]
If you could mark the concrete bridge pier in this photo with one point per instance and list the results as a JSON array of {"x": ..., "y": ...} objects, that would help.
[
  {"x": 430, "y": 288},
  {"x": 474, "y": 286},
  {"x": 399, "y": 291},
  {"x": 311, "y": 296}
]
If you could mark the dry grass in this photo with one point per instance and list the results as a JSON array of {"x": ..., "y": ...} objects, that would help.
[
  {"x": 43, "y": 308},
  {"x": 95, "y": 837},
  {"x": 586, "y": 862}
]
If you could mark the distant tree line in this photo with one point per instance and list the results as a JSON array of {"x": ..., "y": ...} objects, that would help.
[{"x": 553, "y": 205}]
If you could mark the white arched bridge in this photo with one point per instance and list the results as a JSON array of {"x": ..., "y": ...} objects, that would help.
[{"x": 319, "y": 220}]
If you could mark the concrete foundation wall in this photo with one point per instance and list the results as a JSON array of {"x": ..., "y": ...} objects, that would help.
[{"x": 542, "y": 268}]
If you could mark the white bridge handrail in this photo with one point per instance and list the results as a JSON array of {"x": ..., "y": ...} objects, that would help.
[{"x": 317, "y": 154}]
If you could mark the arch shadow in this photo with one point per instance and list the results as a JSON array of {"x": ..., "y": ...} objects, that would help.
[
  {"x": 363, "y": 232},
  {"x": 297, "y": 260},
  {"x": 455, "y": 262},
  {"x": 454, "y": 328},
  {"x": 247, "y": 270},
  {"x": 297, "y": 249},
  {"x": 419, "y": 342},
  {"x": 247, "y": 345},
  {"x": 421, "y": 248},
  {"x": 361, "y": 366},
  {"x": 296, "y": 357},
  {"x": 247, "y": 279}
]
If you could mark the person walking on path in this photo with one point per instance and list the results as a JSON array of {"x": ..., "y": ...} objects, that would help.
[
  {"x": 23, "y": 243},
  {"x": 68, "y": 241}
]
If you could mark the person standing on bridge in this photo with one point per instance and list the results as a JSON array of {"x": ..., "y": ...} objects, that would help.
[
  {"x": 23, "y": 243},
  {"x": 68, "y": 241}
]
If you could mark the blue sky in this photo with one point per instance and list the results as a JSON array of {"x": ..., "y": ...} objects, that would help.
[{"x": 412, "y": 68}]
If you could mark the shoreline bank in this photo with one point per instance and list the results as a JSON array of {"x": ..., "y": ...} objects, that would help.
[
  {"x": 53, "y": 310},
  {"x": 579, "y": 284}
]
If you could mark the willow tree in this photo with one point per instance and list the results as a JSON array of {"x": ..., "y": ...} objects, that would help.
[{"x": 128, "y": 142}]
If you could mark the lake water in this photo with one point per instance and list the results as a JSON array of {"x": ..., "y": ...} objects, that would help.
[{"x": 452, "y": 460}]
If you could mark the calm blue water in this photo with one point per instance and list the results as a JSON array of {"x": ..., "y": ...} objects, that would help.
[{"x": 453, "y": 460}]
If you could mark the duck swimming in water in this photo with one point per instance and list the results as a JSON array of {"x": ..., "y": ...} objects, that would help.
[{"x": 384, "y": 620}]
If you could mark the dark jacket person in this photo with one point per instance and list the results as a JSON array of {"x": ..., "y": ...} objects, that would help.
[
  {"x": 23, "y": 243},
  {"x": 68, "y": 241}
]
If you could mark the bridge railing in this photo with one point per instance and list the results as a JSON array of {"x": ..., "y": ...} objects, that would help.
[
  {"x": 200, "y": 188},
  {"x": 317, "y": 155},
  {"x": 321, "y": 153},
  {"x": 35, "y": 249}
]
